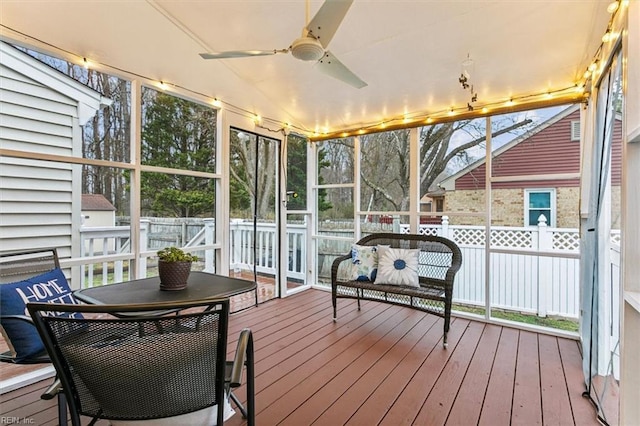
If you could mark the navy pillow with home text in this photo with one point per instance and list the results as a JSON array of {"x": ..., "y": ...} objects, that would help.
[{"x": 22, "y": 336}]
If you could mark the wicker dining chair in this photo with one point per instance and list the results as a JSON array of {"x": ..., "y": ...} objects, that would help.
[{"x": 144, "y": 367}]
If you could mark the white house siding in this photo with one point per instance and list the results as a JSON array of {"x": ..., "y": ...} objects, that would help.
[
  {"x": 39, "y": 200},
  {"x": 35, "y": 195},
  {"x": 36, "y": 204}
]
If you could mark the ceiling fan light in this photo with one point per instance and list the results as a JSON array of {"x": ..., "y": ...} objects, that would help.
[{"x": 307, "y": 49}]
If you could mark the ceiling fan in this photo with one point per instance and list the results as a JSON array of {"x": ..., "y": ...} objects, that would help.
[{"x": 312, "y": 45}]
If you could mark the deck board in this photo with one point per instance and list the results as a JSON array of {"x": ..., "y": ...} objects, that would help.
[
  {"x": 355, "y": 366},
  {"x": 441, "y": 398},
  {"x": 361, "y": 390},
  {"x": 414, "y": 395},
  {"x": 556, "y": 408},
  {"x": 291, "y": 391},
  {"x": 382, "y": 399},
  {"x": 467, "y": 406},
  {"x": 496, "y": 409},
  {"x": 527, "y": 406},
  {"x": 386, "y": 365}
]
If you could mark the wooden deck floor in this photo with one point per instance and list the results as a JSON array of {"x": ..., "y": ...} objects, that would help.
[{"x": 386, "y": 365}]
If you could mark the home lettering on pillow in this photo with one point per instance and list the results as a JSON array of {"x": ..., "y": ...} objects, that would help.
[
  {"x": 49, "y": 291},
  {"x": 21, "y": 336}
]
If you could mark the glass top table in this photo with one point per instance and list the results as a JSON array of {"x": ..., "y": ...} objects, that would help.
[{"x": 200, "y": 286}]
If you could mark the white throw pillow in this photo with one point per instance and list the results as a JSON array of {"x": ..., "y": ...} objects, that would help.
[{"x": 397, "y": 266}]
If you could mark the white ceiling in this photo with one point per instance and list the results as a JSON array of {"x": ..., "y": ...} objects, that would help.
[{"x": 409, "y": 52}]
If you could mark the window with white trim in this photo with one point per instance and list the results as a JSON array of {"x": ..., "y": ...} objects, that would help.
[{"x": 539, "y": 202}]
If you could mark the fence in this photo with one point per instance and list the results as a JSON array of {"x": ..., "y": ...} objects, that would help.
[
  {"x": 544, "y": 279},
  {"x": 539, "y": 275}
]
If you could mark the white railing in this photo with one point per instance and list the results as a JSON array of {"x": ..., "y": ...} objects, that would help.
[
  {"x": 97, "y": 241},
  {"x": 244, "y": 251},
  {"x": 536, "y": 269}
]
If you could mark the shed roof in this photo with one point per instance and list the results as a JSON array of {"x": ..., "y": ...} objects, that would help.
[{"x": 96, "y": 202}]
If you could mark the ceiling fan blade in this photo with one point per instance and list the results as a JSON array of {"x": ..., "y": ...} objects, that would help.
[
  {"x": 331, "y": 66},
  {"x": 241, "y": 53},
  {"x": 327, "y": 20}
]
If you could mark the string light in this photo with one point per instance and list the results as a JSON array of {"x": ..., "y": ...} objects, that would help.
[{"x": 433, "y": 116}]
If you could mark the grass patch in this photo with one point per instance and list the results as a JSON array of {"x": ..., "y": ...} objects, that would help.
[{"x": 556, "y": 323}]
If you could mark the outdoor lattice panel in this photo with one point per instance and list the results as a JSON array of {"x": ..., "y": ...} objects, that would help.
[
  {"x": 428, "y": 231},
  {"x": 468, "y": 236},
  {"x": 507, "y": 238},
  {"x": 566, "y": 240}
]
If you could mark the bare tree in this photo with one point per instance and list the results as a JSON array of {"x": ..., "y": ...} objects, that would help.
[
  {"x": 253, "y": 172},
  {"x": 445, "y": 147}
]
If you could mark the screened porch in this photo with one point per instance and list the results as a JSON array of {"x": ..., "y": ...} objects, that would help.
[{"x": 130, "y": 127}]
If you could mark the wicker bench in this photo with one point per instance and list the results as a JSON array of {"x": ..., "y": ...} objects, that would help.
[{"x": 438, "y": 262}]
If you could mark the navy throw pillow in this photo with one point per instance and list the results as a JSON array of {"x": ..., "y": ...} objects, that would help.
[{"x": 22, "y": 337}]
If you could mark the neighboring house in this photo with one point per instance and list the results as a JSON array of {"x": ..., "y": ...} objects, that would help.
[
  {"x": 553, "y": 148},
  {"x": 41, "y": 110}
]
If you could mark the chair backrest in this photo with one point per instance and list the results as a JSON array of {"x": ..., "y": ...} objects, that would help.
[
  {"x": 440, "y": 258},
  {"x": 149, "y": 366},
  {"x": 16, "y": 266}
]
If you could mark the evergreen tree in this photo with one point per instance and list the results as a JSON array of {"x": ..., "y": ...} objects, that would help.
[
  {"x": 178, "y": 134},
  {"x": 297, "y": 174}
]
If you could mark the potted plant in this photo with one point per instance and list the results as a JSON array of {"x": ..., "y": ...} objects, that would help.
[{"x": 174, "y": 266}]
